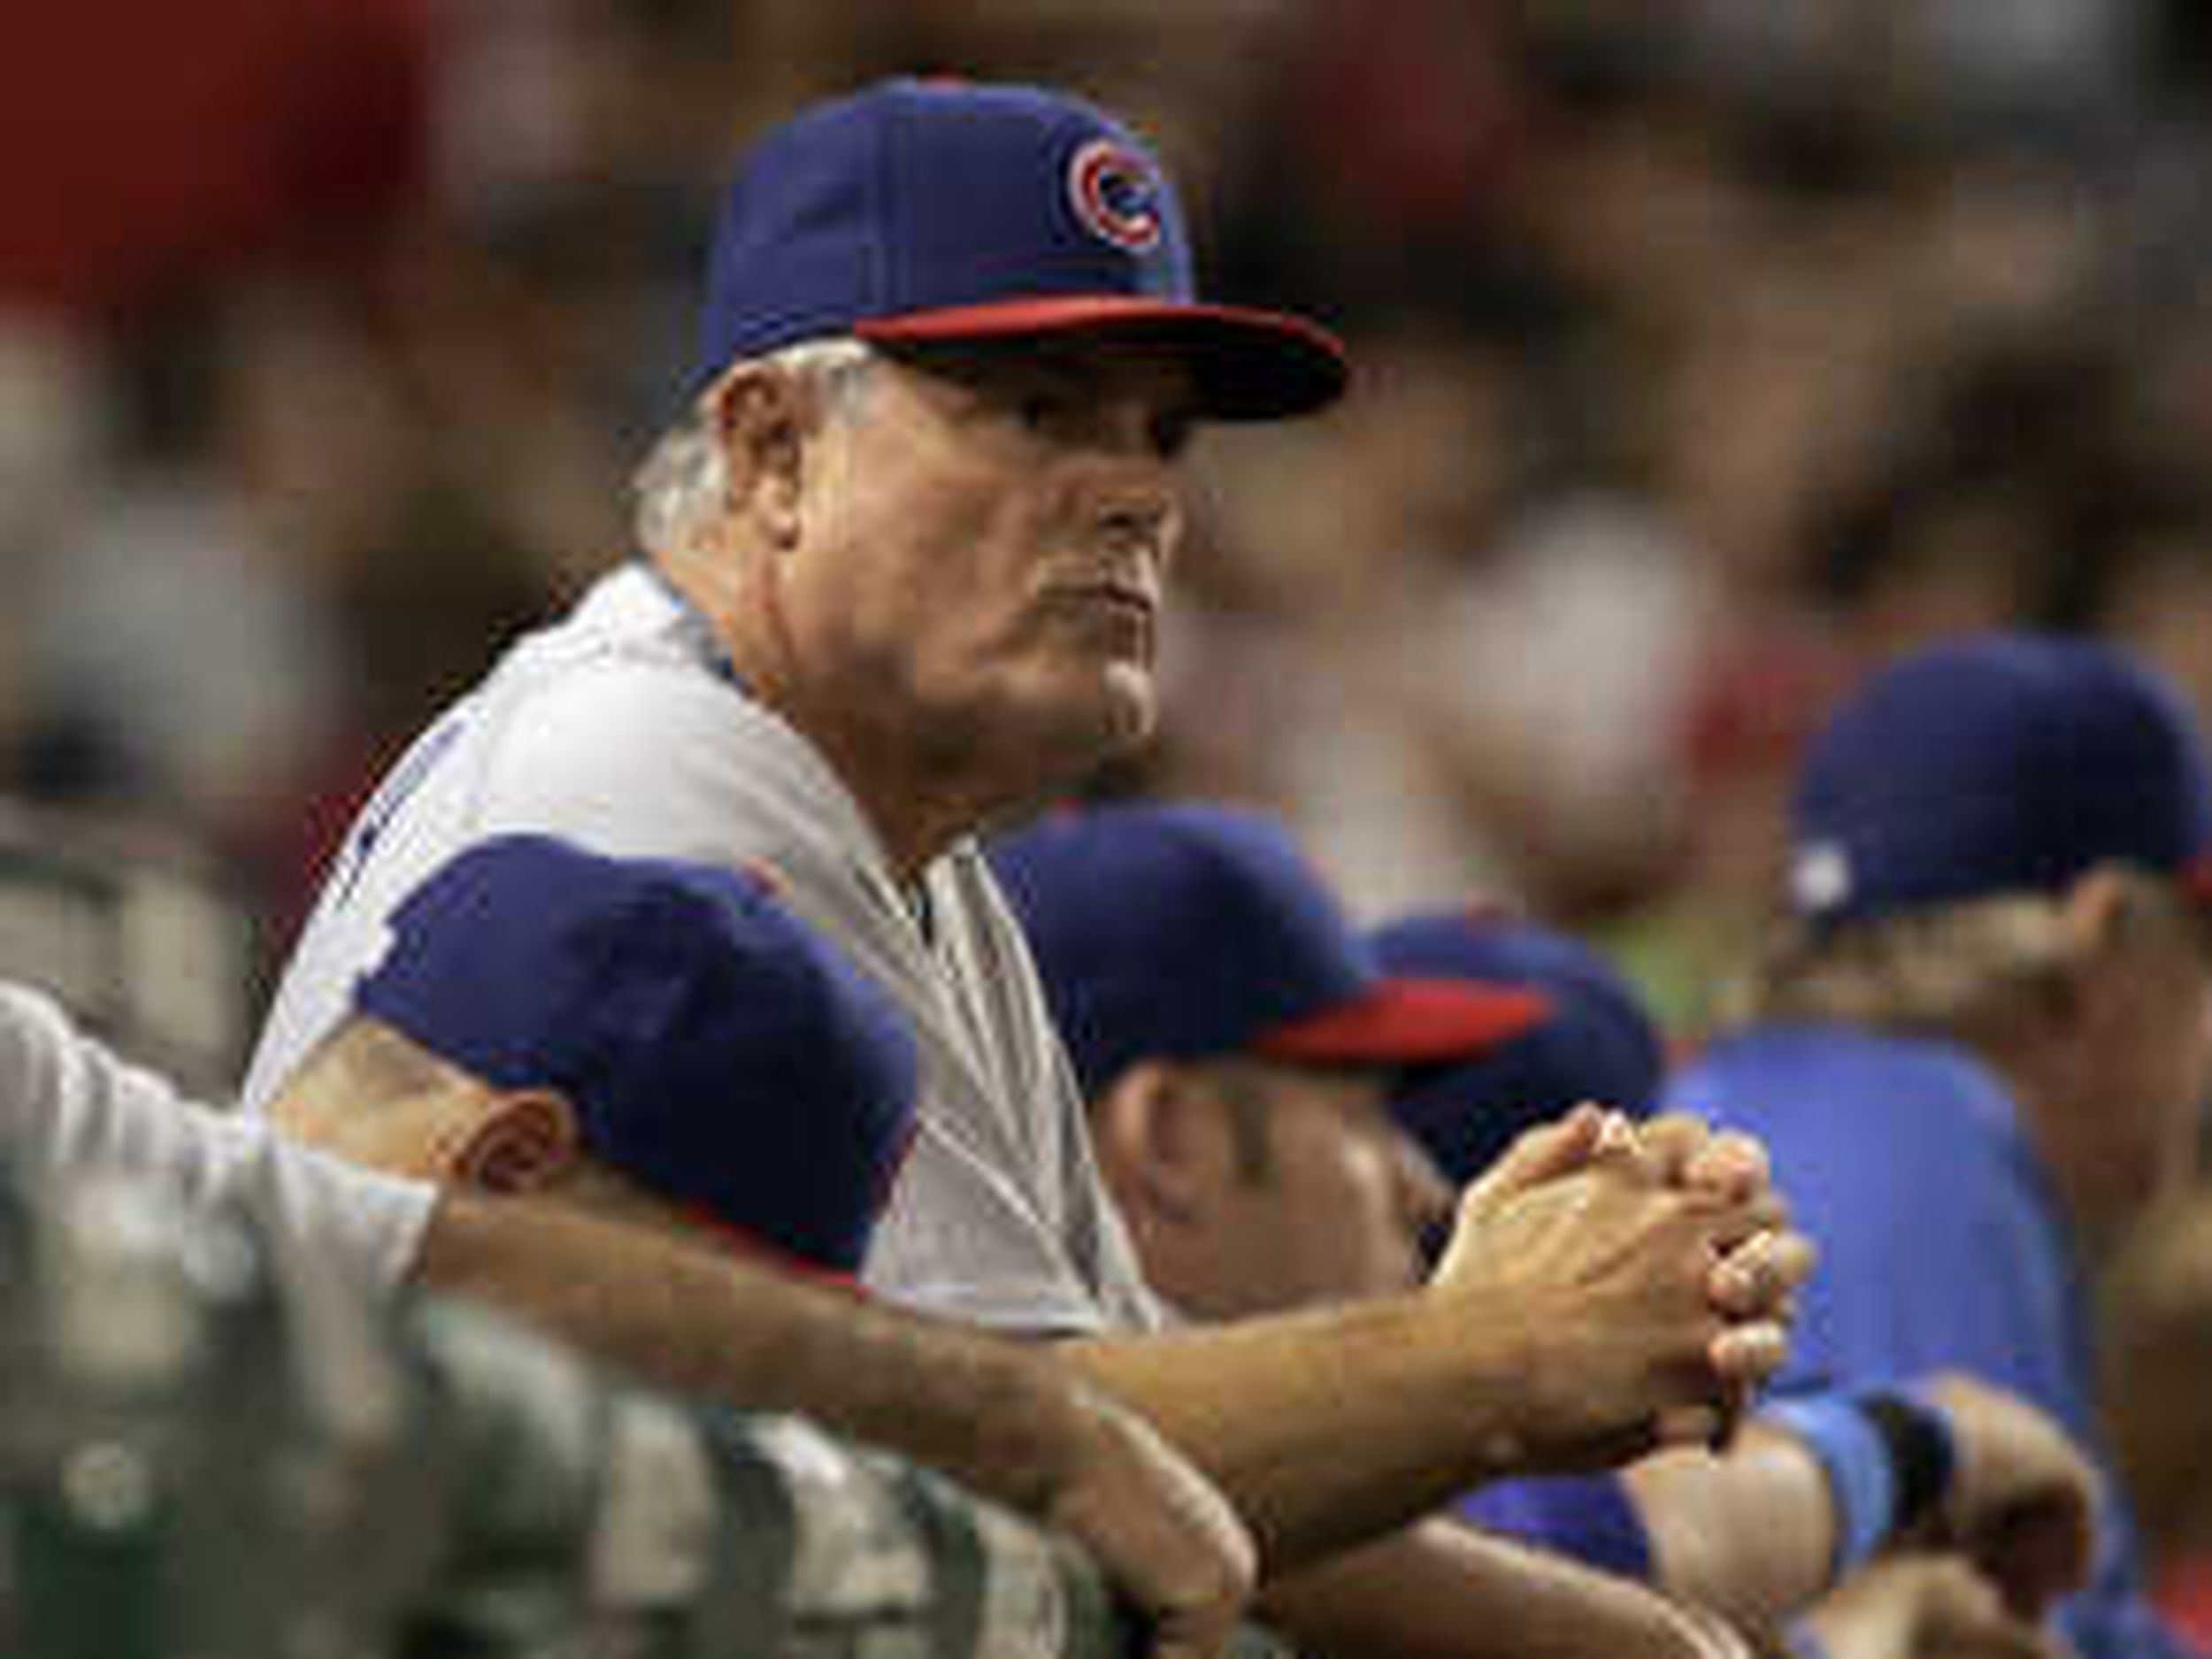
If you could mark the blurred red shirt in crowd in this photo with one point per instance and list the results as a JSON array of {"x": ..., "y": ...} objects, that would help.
[{"x": 155, "y": 146}]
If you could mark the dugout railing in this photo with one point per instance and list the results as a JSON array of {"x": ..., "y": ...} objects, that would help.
[{"x": 209, "y": 1450}]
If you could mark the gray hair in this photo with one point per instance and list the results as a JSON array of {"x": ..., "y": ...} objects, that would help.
[
  {"x": 1962, "y": 970},
  {"x": 683, "y": 484}
]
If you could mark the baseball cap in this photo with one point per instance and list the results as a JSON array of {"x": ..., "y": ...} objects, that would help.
[
  {"x": 1994, "y": 764},
  {"x": 714, "y": 1047},
  {"x": 1595, "y": 1041},
  {"x": 1181, "y": 930},
  {"x": 947, "y": 209}
]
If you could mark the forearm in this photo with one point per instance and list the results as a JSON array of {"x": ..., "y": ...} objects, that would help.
[
  {"x": 1325, "y": 1429},
  {"x": 1597, "y": 1295},
  {"x": 1443, "y": 1591},
  {"x": 697, "y": 1322},
  {"x": 1749, "y": 1533}
]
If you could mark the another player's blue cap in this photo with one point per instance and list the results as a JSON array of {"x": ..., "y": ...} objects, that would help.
[
  {"x": 1596, "y": 1042},
  {"x": 714, "y": 1047},
  {"x": 1181, "y": 932},
  {"x": 1997, "y": 764},
  {"x": 927, "y": 209}
]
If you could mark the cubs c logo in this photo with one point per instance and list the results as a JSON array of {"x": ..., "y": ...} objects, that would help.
[{"x": 1113, "y": 193}]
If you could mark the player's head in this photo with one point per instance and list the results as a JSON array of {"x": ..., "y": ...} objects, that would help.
[
  {"x": 646, "y": 1033},
  {"x": 2003, "y": 838},
  {"x": 951, "y": 349},
  {"x": 1237, "y": 1042},
  {"x": 1595, "y": 1041},
  {"x": 2002, "y": 764},
  {"x": 919, "y": 212}
]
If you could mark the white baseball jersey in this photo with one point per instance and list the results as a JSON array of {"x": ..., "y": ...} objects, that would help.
[
  {"x": 68, "y": 1104},
  {"x": 621, "y": 729}
]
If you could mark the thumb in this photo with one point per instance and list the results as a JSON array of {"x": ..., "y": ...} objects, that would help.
[{"x": 1541, "y": 1154}]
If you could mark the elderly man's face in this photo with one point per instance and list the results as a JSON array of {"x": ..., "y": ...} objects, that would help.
[{"x": 986, "y": 541}]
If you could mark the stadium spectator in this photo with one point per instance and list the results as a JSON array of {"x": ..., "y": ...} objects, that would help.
[{"x": 1981, "y": 1035}]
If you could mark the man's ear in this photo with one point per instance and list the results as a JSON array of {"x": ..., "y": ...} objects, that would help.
[
  {"x": 761, "y": 417},
  {"x": 521, "y": 1141},
  {"x": 1162, "y": 1140},
  {"x": 2097, "y": 912},
  {"x": 2097, "y": 916}
]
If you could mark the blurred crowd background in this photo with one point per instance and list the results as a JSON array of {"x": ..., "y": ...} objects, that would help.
[{"x": 1709, "y": 352}]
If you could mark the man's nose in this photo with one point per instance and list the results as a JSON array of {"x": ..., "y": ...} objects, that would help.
[{"x": 1143, "y": 514}]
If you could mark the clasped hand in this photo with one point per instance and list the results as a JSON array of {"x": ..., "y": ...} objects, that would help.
[{"x": 1653, "y": 1269}]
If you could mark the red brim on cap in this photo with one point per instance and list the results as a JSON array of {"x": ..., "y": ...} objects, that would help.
[
  {"x": 1410, "y": 1022},
  {"x": 1246, "y": 365},
  {"x": 2195, "y": 880},
  {"x": 768, "y": 1252}
]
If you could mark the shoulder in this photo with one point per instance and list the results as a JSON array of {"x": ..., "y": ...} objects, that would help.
[
  {"x": 38, "y": 1044},
  {"x": 1778, "y": 1074},
  {"x": 614, "y": 676},
  {"x": 1854, "y": 1119},
  {"x": 1896, "y": 1154},
  {"x": 645, "y": 757},
  {"x": 610, "y": 712}
]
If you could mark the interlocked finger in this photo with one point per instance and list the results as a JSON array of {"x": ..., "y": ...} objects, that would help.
[
  {"x": 1745, "y": 1356},
  {"x": 1759, "y": 1277}
]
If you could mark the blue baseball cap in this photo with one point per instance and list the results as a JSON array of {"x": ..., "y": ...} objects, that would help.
[
  {"x": 1596, "y": 1040},
  {"x": 714, "y": 1047},
  {"x": 1185, "y": 931},
  {"x": 945, "y": 210},
  {"x": 1997, "y": 764}
]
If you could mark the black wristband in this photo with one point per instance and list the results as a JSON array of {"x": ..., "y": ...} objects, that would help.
[{"x": 1921, "y": 1452}]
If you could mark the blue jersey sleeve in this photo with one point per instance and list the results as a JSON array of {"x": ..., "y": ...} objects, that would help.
[
  {"x": 1941, "y": 1247},
  {"x": 1589, "y": 1518}
]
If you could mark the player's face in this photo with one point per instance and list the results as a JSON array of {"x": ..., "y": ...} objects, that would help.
[
  {"x": 1338, "y": 1207},
  {"x": 986, "y": 538},
  {"x": 2173, "y": 1058},
  {"x": 2147, "y": 1072}
]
